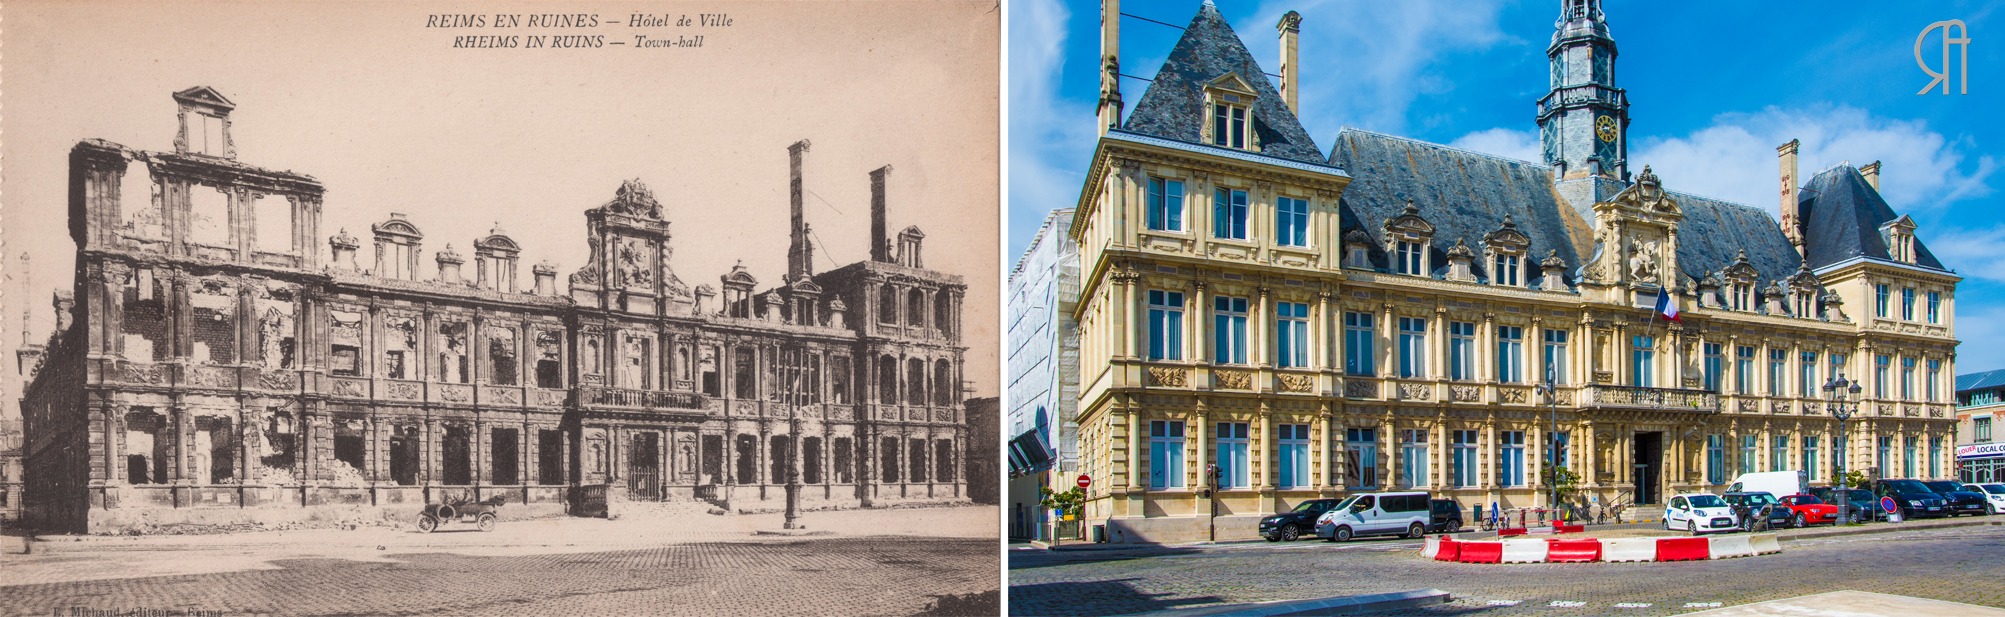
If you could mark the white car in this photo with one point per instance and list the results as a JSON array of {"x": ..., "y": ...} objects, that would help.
[
  {"x": 1994, "y": 496},
  {"x": 1699, "y": 513},
  {"x": 1375, "y": 514}
]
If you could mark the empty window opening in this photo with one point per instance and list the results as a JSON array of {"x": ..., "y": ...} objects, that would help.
[
  {"x": 549, "y": 457},
  {"x": 550, "y": 359},
  {"x": 145, "y": 317},
  {"x": 748, "y": 459},
  {"x": 744, "y": 379},
  {"x": 452, "y": 353},
  {"x": 844, "y": 467},
  {"x": 404, "y": 449},
  {"x": 713, "y": 459},
  {"x": 139, "y": 203},
  {"x": 708, "y": 367},
  {"x": 918, "y": 460},
  {"x": 274, "y": 223},
  {"x": 811, "y": 460},
  {"x": 777, "y": 456},
  {"x": 351, "y": 440},
  {"x": 501, "y": 366},
  {"x": 887, "y": 381},
  {"x": 400, "y": 346},
  {"x": 889, "y": 463},
  {"x": 208, "y": 216},
  {"x": 506, "y": 456},
  {"x": 457, "y": 451}
]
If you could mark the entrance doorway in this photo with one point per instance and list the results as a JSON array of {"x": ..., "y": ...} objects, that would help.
[
  {"x": 1647, "y": 467},
  {"x": 644, "y": 477}
]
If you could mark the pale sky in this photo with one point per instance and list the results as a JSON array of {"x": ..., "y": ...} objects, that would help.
[{"x": 391, "y": 118}]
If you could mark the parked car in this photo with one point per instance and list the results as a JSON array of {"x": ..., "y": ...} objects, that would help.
[
  {"x": 1914, "y": 499},
  {"x": 1754, "y": 503},
  {"x": 1370, "y": 514},
  {"x": 1994, "y": 496},
  {"x": 1699, "y": 513},
  {"x": 1287, "y": 526},
  {"x": 1861, "y": 505},
  {"x": 1806, "y": 510},
  {"x": 1445, "y": 515},
  {"x": 1961, "y": 500}
]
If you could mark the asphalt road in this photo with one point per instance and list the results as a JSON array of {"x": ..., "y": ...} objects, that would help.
[{"x": 1965, "y": 564}]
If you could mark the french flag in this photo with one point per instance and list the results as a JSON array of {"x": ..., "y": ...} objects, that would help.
[{"x": 1667, "y": 305}]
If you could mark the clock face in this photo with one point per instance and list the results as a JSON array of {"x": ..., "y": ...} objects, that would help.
[{"x": 1604, "y": 127}]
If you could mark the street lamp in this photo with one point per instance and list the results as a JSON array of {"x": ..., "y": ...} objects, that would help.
[
  {"x": 1840, "y": 400},
  {"x": 1552, "y": 446},
  {"x": 795, "y": 367}
]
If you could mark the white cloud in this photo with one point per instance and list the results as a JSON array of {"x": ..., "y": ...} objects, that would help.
[
  {"x": 1049, "y": 138},
  {"x": 1521, "y": 145},
  {"x": 1976, "y": 253},
  {"x": 1365, "y": 61},
  {"x": 1979, "y": 324}
]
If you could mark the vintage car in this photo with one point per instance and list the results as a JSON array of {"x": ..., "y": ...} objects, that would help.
[
  {"x": 460, "y": 510},
  {"x": 1806, "y": 510}
]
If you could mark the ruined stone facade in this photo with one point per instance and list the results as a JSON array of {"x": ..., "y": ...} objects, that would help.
[{"x": 221, "y": 367}]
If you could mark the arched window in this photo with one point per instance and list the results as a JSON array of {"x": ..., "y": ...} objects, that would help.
[
  {"x": 943, "y": 383},
  {"x": 887, "y": 381},
  {"x": 887, "y": 305},
  {"x": 915, "y": 382},
  {"x": 915, "y": 308}
]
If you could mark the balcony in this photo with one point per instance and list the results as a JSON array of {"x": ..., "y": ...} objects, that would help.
[
  {"x": 650, "y": 400},
  {"x": 1631, "y": 397}
]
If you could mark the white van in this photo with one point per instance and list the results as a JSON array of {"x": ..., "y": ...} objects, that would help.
[
  {"x": 1371, "y": 514},
  {"x": 1778, "y": 483}
]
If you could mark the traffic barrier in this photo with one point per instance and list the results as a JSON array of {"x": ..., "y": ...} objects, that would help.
[
  {"x": 1568, "y": 528},
  {"x": 1683, "y": 549},
  {"x": 1430, "y": 547},
  {"x": 1480, "y": 552},
  {"x": 1764, "y": 544},
  {"x": 1528, "y": 550},
  {"x": 1629, "y": 549},
  {"x": 1511, "y": 531},
  {"x": 1736, "y": 545},
  {"x": 1450, "y": 550},
  {"x": 1573, "y": 551}
]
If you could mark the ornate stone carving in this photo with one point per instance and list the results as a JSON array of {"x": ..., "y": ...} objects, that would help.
[
  {"x": 1516, "y": 395},
  {"x": 1416, "y": 391},
  {"x": 1461, "y": 393},
  {"x": 1360, "y": 388},
  {"x": 1297, "y": 383},
  {"x": 1168, "y": 376},
  {"x": 1750, "y": 406},
  {"x": 350, "y": 387},
  {"x": 278, "y": 380},
  {"x": 407, "y": 391},
  {"x": 1233, "y": 380}
]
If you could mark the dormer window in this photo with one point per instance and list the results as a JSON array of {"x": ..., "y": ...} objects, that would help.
[
  {"x": 1228, "y": 125},
  {"x": 1506, "y": 247},
  {"x": 1741, "y": 297},
  {"x": 1412, "y": 258},
  {"x": 1504, "y": 270},
  {"x": 1229, "y": 106},
  {"x": 1409, "y": 238},
  {"x": 1357, "y": 249},
  {"x": 1899, "y": 235}
]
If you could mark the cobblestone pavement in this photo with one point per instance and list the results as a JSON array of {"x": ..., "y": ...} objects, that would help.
[
  {"x": 1955, "y": 564},
  {"x": 840, "y": 576}
]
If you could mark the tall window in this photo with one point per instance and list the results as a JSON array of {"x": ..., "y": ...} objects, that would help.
[
  {"x": 1461, "y": 350},
  {"x": 1232, "y": 467},
  {"x": 1463, "y": 458},
  {"x": 1777, "y": 371},
  {"x": 1412, "y": 347},
  {"x": 1555, "y": 357},
  {"x": 1934, "y": 380},
  {"x": 1409, "y": 257},
  {"x": 1935, "y": 307},
  {"x": 1907, "y": 378},
  {"x": 1743, "y": 369},
  {"x": 1413, "y": 456},
  {"x": 1980, "y": 429},
  {"x": 1291, "y": 221},
  {"x": 1510, "y": 354},
  {"x": 1908, "y": 457},
  {"x": 1907, "y": 303},
  {"x": 1743, "y": 296},
  {"x": 1880, "y": 365},
  {"x": 1747, "y": 446},
  {"x": 1511, "y": 458},
  {"x": 1807, "y": 373},
  {"x": 1778, "y": 459},
  {"x": 1886, "y": 455},
  {"x": 1504, "y": 270},
  {"x": 1358, "y": 358},
  {"x": 1228, "y": 321},
  {"x": 1228, "y": 125},
  {"x": 1291, "y": 334},
  {"x": 1642, "y": 361},
  {"x": 1810, "y": 455},
  {"x": 1294, "y": 471},
  {"x": 1166, "y": 204},
  {"x": 1228, "y": 214},
  {"x": 1166, "y": 454},
  {"x": 1837, "y": 364},
  {"x": 1558, "y": 445},
  {"x": 1934, "y": 456},
  {"x": 1715, "y": 362},
  {"x": 1166, "y": 325},
  {"x": 1880, "y": 293},
  {"x": 1361, "y": 449},
  {"x": 1716, "y": 459}
]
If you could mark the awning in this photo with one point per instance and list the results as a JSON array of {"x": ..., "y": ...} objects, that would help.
[{"x": 1028, "y": 454}]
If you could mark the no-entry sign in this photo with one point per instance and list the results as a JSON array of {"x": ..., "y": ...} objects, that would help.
[{"x": 1085, "y": 480}]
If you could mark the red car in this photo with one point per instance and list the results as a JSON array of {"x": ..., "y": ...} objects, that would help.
[{"x": 1806, "y": 509}]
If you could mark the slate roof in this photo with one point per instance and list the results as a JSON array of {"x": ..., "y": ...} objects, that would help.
[
  {"x": 1464, "y": 194},
  {"x": 1843, "y": 214},
  {"x": 1985, "y": 380},
  {"x": 1173, "y": 105},
  {"x": 1714, "y": 233}
]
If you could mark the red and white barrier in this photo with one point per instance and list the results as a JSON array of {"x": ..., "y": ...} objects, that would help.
[{"x": 1588, "y": 550}]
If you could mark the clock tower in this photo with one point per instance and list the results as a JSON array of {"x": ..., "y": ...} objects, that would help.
[{"x": 1584, "y": 119}]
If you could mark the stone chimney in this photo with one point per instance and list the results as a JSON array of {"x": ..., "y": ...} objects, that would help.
[
  {"x": 65, "y": 302},
  {"x": 1791, "y": 228},
  {"x": 1552, "y": 272},
  {"x": 800, "y": 252},
  {"x": 1872, "y": 173},
  {"x": 449, "y": 263},
  {"x": 546, "y": 278},
  {"x": 1291, "y": 30},
  {"x": 1110, "y": 65},
  {"x": 880, "y": 238},
  {"x": 344, "y": 246},
  {"x": 1460, "y": 258}
]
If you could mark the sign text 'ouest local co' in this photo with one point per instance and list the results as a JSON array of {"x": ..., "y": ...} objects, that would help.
[{"x": 1982, "y": 450}]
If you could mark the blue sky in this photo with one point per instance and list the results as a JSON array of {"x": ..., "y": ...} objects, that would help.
[{"x": 1714, "y": 87}]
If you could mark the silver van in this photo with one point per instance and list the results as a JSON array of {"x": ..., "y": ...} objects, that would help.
[{"x": 1373, "y": 514}]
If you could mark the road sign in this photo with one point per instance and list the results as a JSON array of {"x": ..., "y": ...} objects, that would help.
[
  {"x": 1085, "y": 480},
  {"x": 1887, "y": 503}
]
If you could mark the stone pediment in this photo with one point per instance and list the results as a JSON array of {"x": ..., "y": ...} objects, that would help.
[
  {"x": 1409, "y": 223},
  {"x": 1232, "y": 83},
  {"x": 1647, "y": 195},
  {"x": 205, "y": 96}
]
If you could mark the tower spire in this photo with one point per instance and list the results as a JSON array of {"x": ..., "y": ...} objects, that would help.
[{"x": 1584, "y": 118}]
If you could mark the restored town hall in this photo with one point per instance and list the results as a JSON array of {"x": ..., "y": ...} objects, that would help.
[{"x": 223, "y": 359}]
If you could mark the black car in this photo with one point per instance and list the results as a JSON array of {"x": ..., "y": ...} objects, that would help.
[
  {"x": 1915, "y": 500},
  {"x": 1296, "y": 523},
  {"x": 1444, "y": 515},
  {"x": 1861, "y": 505},
  {"x": 1962, "y": 499},
  {"x": 1778, "y": 517}
]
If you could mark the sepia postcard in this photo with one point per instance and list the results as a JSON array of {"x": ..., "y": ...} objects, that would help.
[{"x": 500, "y": 308}]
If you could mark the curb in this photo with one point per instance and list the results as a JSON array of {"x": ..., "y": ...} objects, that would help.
[
  {"x": 1809, "y": 534},
  {"x": 1339, "y": 605},
  {"x": 1595, "y": 550}
]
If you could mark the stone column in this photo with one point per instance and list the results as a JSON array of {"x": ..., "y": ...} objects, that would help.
[{"x": 1132, "y": 417}]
